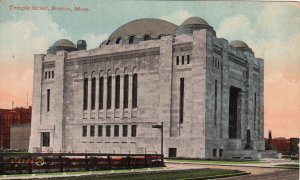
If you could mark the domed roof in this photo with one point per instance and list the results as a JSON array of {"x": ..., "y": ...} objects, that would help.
[
  {"x": 140, "y": 27},
  {"x": 238, "y": 44},
  {"x": 60, "y": 45},
  {"x": 194, "y": 20},
  {"x": 193, "y": 23},
  {"x": 64, "y": 43}
]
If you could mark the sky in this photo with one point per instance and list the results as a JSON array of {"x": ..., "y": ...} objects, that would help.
[{"x": 271, "y": 29}]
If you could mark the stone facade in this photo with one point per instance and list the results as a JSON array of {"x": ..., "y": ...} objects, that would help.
[
  {"x": 19, "y": 136},
  {"x": 205, "y": 91}
]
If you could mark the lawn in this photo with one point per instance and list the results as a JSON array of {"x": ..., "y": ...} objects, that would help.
[
  {"x": 161, "y": 175},
  {"x": 213, "y": 161}
]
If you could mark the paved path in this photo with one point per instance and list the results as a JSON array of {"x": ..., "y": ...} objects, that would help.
[{"x": 256, "y": 172}]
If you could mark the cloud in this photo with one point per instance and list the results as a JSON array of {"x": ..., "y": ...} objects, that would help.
[
  {"x": 20, "y": 40},
  {"x": 93, "y": 41},
  {"x": 177, "y": 17}
]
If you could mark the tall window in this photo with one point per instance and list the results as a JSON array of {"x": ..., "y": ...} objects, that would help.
[
  {"x": 48, "y": 100},
  {"x": 100, "y": 130},
  {"x": 52, "y": 74},
  {"x": 254, "y": 111},
  {"x": 93, "y": 100},
  {"x": 46, "y": 75},
  {"x": 216, "y": 103},
  {"x": 125, "y": 130},
  {"x": 182, "y": 60},
  {"x": 181, "y": 102},
  {"x": 85, "y": 94},
  {"x": 126, "y": 81},
  {"x": 45, "y": 139},
  {"x": 107, "y": 130},
  {"x": 116, "y": 130},
  {"x": 101, "y": 88},
  {"x": 84, "y": 131},
  {"x": 177, "y": 60},
  {"x": 134, "y": 90},
  {"x": 133, "y": 130},
  {"x": 109, "y": 92},
  {"x": 117, "y": 91},
  {"x": 92, "y": 131},
  {"x": 131, "y": 38},
  {"x": 188, "y": 59}
]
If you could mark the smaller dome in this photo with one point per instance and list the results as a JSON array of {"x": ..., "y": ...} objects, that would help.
[
  {"x": 64, "y": 43},
  {"x": 194, "y": 20},
  {"x": 238, "y": 44},
  {"x": 191, "y": 24},
  {"x": 60, "y": 45}
]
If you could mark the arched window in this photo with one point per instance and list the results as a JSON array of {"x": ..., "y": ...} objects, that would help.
[
  {"x": 126, "y": 80},
  {"x": 85, "y": 93},
  {"x": 101, "y": 88},
  {"x": 131, "y": 39},
  {"x": 93, "y": 93},
  {"x": 146, "y": 37},
  {"x": 109, "y": 92},
  {"x": 107, "y": 43},
  {"x": 119, "y": 40},
  {"x": 134, "y": 90},
  {"x": 117, "y": 92}
]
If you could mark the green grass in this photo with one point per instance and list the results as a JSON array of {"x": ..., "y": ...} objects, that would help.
[
  {"x": 183, "y": 174},
  {"x": 213, "y": 161},
  {"x": 296, "y": 166}
]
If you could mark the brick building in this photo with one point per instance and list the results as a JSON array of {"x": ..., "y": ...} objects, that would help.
[
  {"x": 9, "y": 117},
  {"x": 207, "y": 92}
]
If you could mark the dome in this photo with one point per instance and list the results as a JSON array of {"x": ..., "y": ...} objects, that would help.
[
  {"x": 62, "y": 44},
  {"x": 238, "y": 44},
  {"x": 194, "y": 20},
  {"x": 191, "y": 24},
  {"x": 142, "y": 29}
]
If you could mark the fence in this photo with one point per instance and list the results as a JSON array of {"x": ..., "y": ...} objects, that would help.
[{"x": 18, "y": 163}]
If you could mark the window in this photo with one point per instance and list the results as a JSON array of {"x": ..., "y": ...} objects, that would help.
[
  {"x": 126, "y": 81},
  {"x": 216, "y": 103},
  {"x": 46, "y": 73},
  {"x": 254, "y": 111},
  {"x": 116, "y": 130},
  {"x": 48, "y": 100},
  {"x": 100, "y": 130},
  {"x": 119, "y": 40},
  {"x": 93, "y": 100},
  {"x": 45, "y": 139},
  {"x": 84, "y": 131},
  {"x": 107, "y": 130},
  {"x": 220, "y": 152},
  {"x": 85, "y": 93},
  {"x": 52, "y": 74},
  {"x": 92, "y": 131},
  {"x": 177, "y": 60},
  {"x": 101, "y": 84},
  {"x": 117, "y": 92},
  {"x": 133, "y": 130},
  {"x": 131, "y": 39},
  {"x": 125, "y": 130},
  {"x": 188, "y": 59},
  {"x": 49, "y": 75},
  {"x": 214, "y": 152},
  {"x": 107, "y": 43},
  {"x": 134, "y": 90},
  {"x": 172, "y": 152},
  {"x": 109, "y": 92},
  {"x": 182, "y": 60},
  {"x": 181, "y": 101},
  {"x": 146, "y": 37}
]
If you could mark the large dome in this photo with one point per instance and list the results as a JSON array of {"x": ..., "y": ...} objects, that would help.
[
  {"x": 194, "y": 20},
  {"x": 62, "y": 44},
  {"x": 141, "y": 29}
]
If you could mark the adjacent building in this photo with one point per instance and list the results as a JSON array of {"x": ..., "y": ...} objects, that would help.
[
  {"x": 207, "y": 91},
  {"x": 13, "y": 117}
]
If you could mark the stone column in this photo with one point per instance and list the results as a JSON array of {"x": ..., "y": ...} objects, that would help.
[
  {"x": 130, "y": 95},
  {"x": 121, "y": 95},
  {"x": 89, "y": 96},
  {"x": 113, "y": 95},
  {"x": 36, "y": 103}
]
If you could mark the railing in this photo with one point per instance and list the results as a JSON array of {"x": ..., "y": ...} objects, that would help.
[{"x": 19, "y": 163}]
